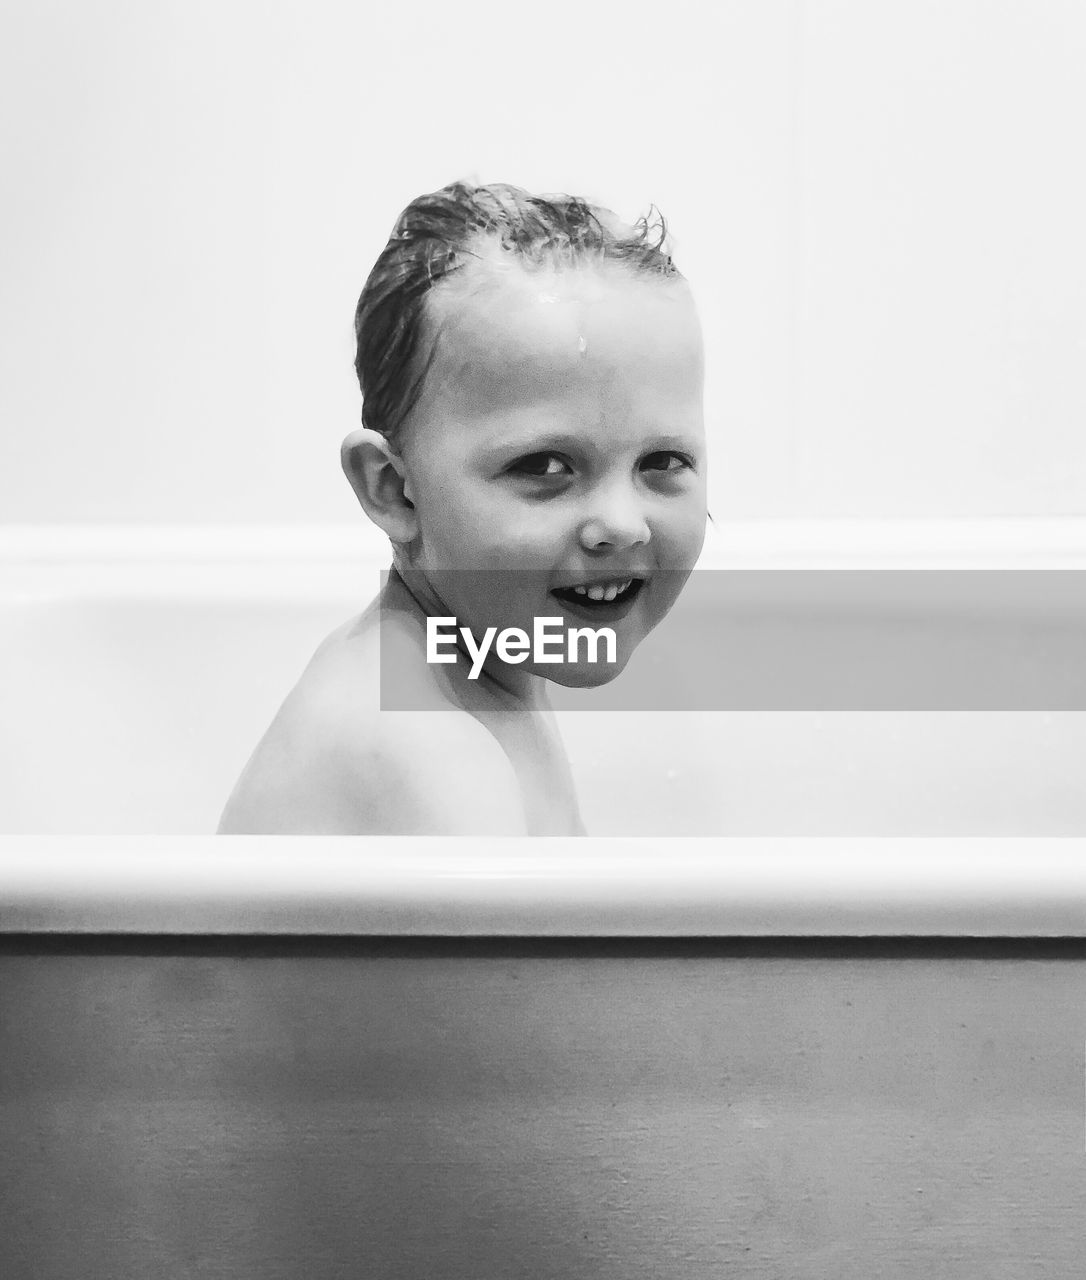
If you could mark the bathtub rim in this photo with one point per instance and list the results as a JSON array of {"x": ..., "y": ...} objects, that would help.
[
  {"x": 818, "y": 542},
  {"x": 978, "y": 887}
]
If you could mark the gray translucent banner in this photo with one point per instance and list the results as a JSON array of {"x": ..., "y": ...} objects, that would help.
[{"x": 803, "y": 640}]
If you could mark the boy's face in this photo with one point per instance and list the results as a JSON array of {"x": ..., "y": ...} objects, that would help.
[{"x": 559, "y": 441}]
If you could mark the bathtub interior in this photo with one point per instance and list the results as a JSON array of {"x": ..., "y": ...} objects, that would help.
[{"x": 134, "y": 691}]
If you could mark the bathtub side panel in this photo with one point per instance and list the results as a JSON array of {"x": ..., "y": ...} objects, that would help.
[{"x": 562, "y": 1110}]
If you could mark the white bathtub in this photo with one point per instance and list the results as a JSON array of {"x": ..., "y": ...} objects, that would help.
[
  {"x": 254, "y": 1058},
  {"x": 840, "y": 1034},
  {"x": 138, "y": 668}
]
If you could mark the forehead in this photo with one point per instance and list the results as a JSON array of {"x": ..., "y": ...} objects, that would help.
[{"x": 505, "y": 335}]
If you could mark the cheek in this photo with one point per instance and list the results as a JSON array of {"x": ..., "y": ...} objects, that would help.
[
  {"x": 503, "y": 532},
  {"x": 498, "y": 598},
  {"x": 681, "y": 528},
  {"x": 696, "y": 531},
  {"x": 536, "y": 538},
  {"x": 449, "y": 524}
]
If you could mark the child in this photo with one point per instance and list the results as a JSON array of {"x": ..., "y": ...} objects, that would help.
[{"x": 533, "y": 446}]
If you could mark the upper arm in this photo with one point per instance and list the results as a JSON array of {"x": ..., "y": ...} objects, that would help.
[{"x": 467, "y": 786}]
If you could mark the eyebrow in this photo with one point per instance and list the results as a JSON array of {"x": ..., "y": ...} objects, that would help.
[{"x": 545, "y": 440}]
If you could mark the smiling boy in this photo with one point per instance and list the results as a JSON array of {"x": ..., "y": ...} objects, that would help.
[{"x": 533, "y": 446}]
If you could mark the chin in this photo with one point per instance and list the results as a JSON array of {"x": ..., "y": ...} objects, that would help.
[{"x": 583, "y": 675}]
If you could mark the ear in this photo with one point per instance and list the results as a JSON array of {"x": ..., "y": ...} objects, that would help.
[{"x": 376, "y": 474}]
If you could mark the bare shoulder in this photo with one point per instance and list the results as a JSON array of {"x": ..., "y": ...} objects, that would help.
[{"x": 333, "y": 763}]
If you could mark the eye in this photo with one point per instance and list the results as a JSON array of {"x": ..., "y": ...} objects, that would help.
[
  {"x": 665, "y": 460},
  {"x": 540, "y": 466}
]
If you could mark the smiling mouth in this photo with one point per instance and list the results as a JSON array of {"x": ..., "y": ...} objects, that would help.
[{"x": 603, "y": 599}]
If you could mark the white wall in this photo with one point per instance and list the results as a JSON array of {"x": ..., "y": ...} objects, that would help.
[
  {"x": 880, "y": 208},
  {"x": 941, "y": 363}
]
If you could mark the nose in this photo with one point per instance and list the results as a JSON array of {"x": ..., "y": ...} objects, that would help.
[{"x": 615, "y": 521}]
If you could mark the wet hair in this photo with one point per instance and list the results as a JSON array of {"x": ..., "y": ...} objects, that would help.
[{"x": 437, "y": 235}]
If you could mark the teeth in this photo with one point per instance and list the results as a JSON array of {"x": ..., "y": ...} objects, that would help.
[{"x": 599, "y": 592}]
